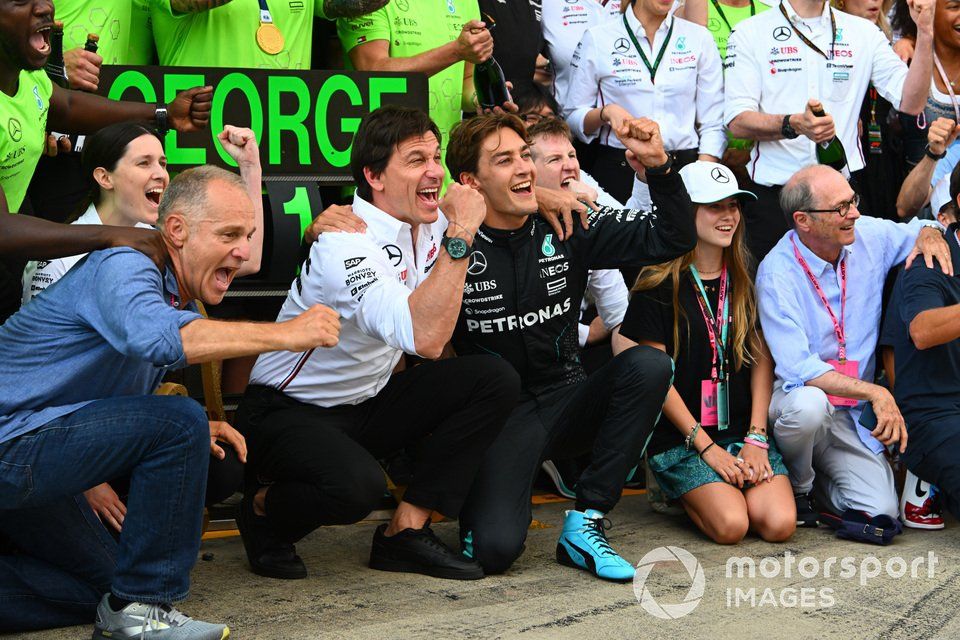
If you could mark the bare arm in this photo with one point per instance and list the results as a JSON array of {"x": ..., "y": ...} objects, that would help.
[
  {"x": 916, "y": 86},
  {"x": 890, "y": 423},
  {"x": 82, "y": 112},
  {"x": 435, "y": 304},
  {"x": 934, "y": 327},
  {"x": 241, "y": 144},
  {"x": 207, "y": 340},
  {"x": 474, "y": 45},
  {"x": 761, "y": 387},
  {"x": 333, "y": 9},
  {"x": 915, "y": 191}
]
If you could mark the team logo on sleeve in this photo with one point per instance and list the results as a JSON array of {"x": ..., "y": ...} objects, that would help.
[{"x": 547, "y": 247}]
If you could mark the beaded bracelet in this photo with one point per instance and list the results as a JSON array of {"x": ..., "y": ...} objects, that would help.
[
  {"x": 756, "y": 443},
  {"x": 688, "y": 441}
]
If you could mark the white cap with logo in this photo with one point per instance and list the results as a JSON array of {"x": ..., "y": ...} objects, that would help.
[{"x": 709, "y": 182}]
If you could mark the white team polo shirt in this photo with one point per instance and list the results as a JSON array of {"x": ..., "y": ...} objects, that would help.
[
  {"x": 771, "y": 70},
  {"x": 686, "y": 100},
  {"x": 564, "y": 22},
  {"x": 367, "y": 278}
]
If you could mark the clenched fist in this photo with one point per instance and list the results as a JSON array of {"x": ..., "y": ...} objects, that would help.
[
  {"x": 475, "y": 44},
  {"x": 464, "y": 207},
  {"x": 318, "y": 326},
  {"x": 641, "y": 137}
]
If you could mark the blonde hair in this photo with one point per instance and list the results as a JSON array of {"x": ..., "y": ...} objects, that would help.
[
  {"x": 882, "y": 21},
  {"x": 743, "y": 302}
]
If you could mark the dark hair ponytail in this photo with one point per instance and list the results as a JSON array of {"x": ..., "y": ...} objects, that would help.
[{"x": 106, "y": 147}]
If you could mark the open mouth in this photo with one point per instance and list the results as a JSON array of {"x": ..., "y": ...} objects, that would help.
[
  {"x": 224, "y": 276},
  {"x": 40, "y": 40},
  {"x": 429, "y": 195},
  {"x": 153, "y": 196},
  {"x": 523, "y": 188},
  {"x": 565, "y": 183},
  {"x": 724, "y": 228}
]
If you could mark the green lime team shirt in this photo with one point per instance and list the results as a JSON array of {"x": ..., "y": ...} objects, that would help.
[
  {"x": 413, "y": 27},
  {"x": 140, "y": 51},
  {"x": 109, "y": 19},
  {"x": 227, "y": 35},
  {"x": 720, "y": 29},
  {"x": 23, "y": 118}
]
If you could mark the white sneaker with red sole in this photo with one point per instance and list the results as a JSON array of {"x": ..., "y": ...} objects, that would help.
[{"x": 919, "y": 508}]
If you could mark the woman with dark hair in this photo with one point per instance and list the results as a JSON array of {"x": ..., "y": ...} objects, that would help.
[
  {"x": 127, "y": 171},
  {"x": 710, "y": 449}
]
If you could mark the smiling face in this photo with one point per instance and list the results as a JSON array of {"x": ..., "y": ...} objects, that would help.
[
  {"x": 505, "y": 177},
  {"x": 828, "y": 230},
  {"x": 717, "y": 222},
  {"x": 136, "y": 184},
  {"x": 25, "y": 33},
  {"x": 869, "y": 9},
  {"x": 946, "y": 23},
  {"x": 409, "y": 186},
  {"x": 556, "y": 162},
  {"x": 208, "y": 251},
  {"x": 658, "y": 8}
]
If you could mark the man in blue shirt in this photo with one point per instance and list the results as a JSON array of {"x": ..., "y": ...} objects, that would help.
[
  {"x": 75, "y": 370},
  {"x": 819, "y": 294}
]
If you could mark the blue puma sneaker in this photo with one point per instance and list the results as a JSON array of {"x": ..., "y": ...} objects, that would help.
[{"x": 583, "y": 544}]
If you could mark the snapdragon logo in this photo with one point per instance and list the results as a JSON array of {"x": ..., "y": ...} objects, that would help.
[{"x": 694, "y": 571}]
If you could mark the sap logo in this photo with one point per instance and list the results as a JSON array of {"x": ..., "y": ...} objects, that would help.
[
  {"x": 350, "y": 263},
  {"x": 485, "y": 285},
  {"x": 554, "y": 270}
]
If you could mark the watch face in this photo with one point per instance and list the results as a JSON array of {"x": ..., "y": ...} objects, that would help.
[{"x": 456, "y": 247}]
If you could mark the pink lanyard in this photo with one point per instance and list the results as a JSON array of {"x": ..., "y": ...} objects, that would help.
[
  {"x": 837, "y": 325},
  {"x": 716, "y": 327}
]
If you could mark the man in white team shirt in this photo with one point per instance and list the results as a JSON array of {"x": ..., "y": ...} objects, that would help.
[
  {"x": 784, "y": 61},
  {"x": 316, "y": 422}
]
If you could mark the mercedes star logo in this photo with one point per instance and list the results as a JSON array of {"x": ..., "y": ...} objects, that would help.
[
  {"x": 16, "y": 131},
  {"x": 621, "y": 45},
  {"x": 782, "y": 33},
  {"x": 719, "y": 176},
  {"x": 394, "y": 255},
  {"x": 478, "y": 263}
]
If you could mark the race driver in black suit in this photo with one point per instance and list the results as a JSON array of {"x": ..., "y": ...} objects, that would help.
[{"x": 521, "y": 301}]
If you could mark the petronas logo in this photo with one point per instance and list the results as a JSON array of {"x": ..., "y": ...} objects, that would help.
[{"x": 547, "y": 247}]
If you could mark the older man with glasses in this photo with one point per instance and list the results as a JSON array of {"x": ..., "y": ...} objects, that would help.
[{"x": 819, "y": 294}]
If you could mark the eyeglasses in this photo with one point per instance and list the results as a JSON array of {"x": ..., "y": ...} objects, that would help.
[{"x": 842, "y": 209}]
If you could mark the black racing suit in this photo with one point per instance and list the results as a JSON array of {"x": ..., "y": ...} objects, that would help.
[{"x": 521, "y": 301}]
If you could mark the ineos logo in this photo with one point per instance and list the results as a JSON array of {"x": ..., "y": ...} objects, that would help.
[
  {"x": 782, "y": 33},
  {"x": 621, "y": 45},
  {"x": 478, "y": 263},
  {"x": 394, "y": 255},
  {"x": 719, "y": 176}
]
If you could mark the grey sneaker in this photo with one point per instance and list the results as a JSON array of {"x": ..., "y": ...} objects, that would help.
[{"x": 152, "y": 622}]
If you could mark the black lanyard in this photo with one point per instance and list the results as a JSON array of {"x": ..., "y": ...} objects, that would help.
[
  {"x": 716, "y": 5},
  {"x": 656, "y": 65},
  {"x": 806, "y": 40}
]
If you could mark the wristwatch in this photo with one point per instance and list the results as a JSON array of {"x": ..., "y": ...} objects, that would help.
[
  {"x": 663, "y": 169},
  {"x": 161, "y": 118},
  {"x": 934, "y": 156},
  {"x": 787, "y": 131},
  {"x": 457, "y": 248}
]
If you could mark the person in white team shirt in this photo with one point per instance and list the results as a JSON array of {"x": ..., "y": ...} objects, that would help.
[
  {"x": 801, "y": 54},
  {"x": 127, "y": 170},
  {"x": 647, "y": 62},
  {"x": 316, "y": 422}
]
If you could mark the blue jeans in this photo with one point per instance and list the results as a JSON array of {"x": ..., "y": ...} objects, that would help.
[{"x": 66, "y": 559}]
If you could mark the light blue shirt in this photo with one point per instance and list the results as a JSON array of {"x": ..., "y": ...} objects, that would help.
[
  {"x": 795, "y": 323},
  {"x": 109, "y": 328},
  {"x": 946, "y": 164}
]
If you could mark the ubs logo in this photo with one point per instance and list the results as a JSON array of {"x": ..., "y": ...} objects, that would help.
[
  {"x": 621, "y": 45},
  {"x": 782, "y": 33}
]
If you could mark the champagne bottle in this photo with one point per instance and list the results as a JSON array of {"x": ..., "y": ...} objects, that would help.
[
  {"x": 92, "y": 43},
  {"x": 829, "y": 152},
  {"x": 55, "y": 66},
  {"x": 490, "y": 84}
]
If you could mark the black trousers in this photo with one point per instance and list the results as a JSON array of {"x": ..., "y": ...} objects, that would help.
[
  {"x": 611, "y": 415},
  {"x": 764, "y": 218},
  {"x": 321, "y": 463},
  {"x": 932, "y": 455}
]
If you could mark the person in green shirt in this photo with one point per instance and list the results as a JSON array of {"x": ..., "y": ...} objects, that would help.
[
  {"x": 264, "y": 34},
  {"x": 440, "y": 38},
  {"x": 110, "y": 21},
  {"x": 141, "y": 50}
]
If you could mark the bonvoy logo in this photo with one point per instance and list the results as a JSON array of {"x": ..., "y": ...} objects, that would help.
[{"x": 694, "y": 570}]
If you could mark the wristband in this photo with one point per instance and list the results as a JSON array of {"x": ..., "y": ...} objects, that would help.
[
  {"x": 706, "y": 448},
  {"x": 756, "y": 443},
  {"x": 161, "y": 118},
  {"x": 688, "y": 441},
  {"x": 662, "y": 169},
  {"x": 932, "y": 155}
]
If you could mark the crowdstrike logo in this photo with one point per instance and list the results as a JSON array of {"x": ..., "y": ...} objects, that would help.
[{"x": 694, "y": 594}]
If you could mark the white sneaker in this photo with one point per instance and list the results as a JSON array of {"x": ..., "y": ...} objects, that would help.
[
  {"x": 152, "y": 622},
  {"x": 919, "y": 508}
]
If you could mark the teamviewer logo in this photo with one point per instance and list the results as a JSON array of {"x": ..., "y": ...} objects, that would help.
[{"x": 694, "y": 570}]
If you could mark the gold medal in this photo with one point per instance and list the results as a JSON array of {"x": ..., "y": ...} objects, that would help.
[{"x": 269, "y": 38}]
